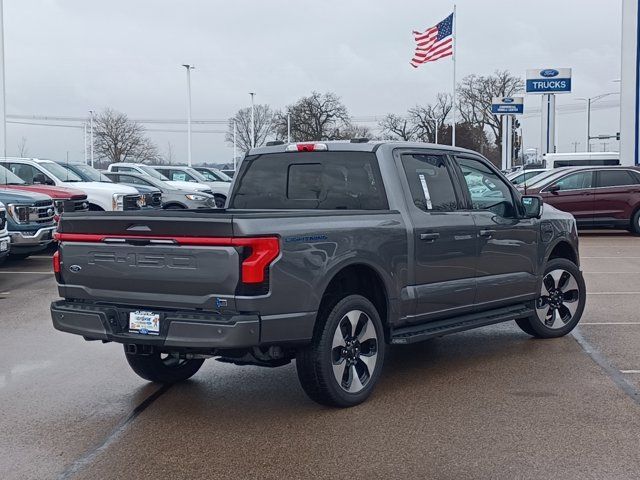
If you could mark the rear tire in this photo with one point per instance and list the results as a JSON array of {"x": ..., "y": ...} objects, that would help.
[
  {"x": 561, "y": 302},
  {"x": 635, "y": 223},
  {"x": 344, "y": 360},
  {"x": 159, "y": 368}
]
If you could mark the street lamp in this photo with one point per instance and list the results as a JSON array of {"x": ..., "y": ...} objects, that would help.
[
  {"x": 189, "y": 68},
  {"x": 253, "y": 124},
  {"x": 590, "y": 101}
]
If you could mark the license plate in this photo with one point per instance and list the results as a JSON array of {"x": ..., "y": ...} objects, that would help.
[
  {"x": 4, "y": 246},
  {"x": 145, "y": 323}
]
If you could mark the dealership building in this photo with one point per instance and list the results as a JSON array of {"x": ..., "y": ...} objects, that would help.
[{"x": 630, "y": 97}]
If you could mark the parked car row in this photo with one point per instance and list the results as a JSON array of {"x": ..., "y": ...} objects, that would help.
[
  {"x": 598, "y": 197},
  {"x": 35, "y": 192}
]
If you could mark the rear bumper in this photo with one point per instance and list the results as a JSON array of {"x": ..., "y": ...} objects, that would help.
[
  {"x": 177, "y": 329},
  {"x": 40, "y": 238}
]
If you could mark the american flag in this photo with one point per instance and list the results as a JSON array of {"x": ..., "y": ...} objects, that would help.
[{"x": 434, "y": 44}]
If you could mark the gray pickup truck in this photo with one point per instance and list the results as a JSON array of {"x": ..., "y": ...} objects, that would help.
[{"x": 327, "y": 254}]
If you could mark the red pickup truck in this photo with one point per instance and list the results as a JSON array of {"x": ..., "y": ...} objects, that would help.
[{"x": 63, "y": 198}]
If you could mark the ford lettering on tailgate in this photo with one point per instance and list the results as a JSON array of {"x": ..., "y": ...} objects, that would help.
[{"x": 143, "y": 260}]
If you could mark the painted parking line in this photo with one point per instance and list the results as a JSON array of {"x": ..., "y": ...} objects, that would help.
[
  {"x": 630, "y": 371},
  {"x": 613, "y": 293},
  {"x": 609, "y": 323},
  {"x": 50, "y": 272},
  {"x": 610, "y": 258}
]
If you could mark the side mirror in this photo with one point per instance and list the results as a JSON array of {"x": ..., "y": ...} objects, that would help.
[
  {"x": 532, "y": 205},
  {"x": 554, "y": 188}
]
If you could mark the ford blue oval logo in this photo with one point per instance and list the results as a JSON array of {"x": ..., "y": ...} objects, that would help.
[
  {"x": 550, "y": 72},
  {"x": 75, "y": 268},
  {"x": 507, "y": 100}
]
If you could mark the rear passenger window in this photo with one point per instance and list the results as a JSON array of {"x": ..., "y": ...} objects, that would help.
[
  {"x": 310, "y": 180},
  {"x": 615, "y": 178},
  {"x": 575, "y": 181},
  {"x": 429, "y": 182}
]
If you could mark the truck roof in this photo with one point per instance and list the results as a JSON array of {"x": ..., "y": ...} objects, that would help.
[{"x": 357, "y": 146}]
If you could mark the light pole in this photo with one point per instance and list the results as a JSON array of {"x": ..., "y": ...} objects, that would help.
[
  {"x": 288, "y": 128},
  {"x": 189, "y": 68},
  {"x": 253, "y": 124},
  {"x": 590, "y": 101},
  {"x": 91, "y": 133},
  {"x": 3, "y": 111},
  {"x": 235, "y": 151}
]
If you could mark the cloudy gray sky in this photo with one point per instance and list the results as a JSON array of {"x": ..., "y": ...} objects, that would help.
[{"x": 64, "y": 57}]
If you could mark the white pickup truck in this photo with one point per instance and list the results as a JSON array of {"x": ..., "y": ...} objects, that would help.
[{"x": 101, "y": 196}]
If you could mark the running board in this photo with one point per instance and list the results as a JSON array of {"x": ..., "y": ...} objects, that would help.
[{"x": 418, "y": 333}]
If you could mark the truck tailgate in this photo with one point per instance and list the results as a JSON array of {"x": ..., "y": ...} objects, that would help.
[{"x": 141, "y": 259}]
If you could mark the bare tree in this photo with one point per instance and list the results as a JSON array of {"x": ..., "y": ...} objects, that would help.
[
  {"x": 264, "y": 127},
  {"x": 169, "y": 155},
  {"x": 118, "y": 139},
  {"x": 320, "y": 116},
  {"x": 475, "y": 95},
  {"x": 395, "y": 127},
  {"x": 426, "y": 119},
  {"x": 23, "y": 151}
]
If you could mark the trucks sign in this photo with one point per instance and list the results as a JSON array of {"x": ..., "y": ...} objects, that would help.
[
  {"x": 507, "y": 105},
  {"x": 549, "y": 80}
]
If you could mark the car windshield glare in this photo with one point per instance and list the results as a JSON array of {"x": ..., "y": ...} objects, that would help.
[
  {"x": 153, "y": 172},
  {"x": 61, "y": 173},
  {"x": 7, "y": 177}
]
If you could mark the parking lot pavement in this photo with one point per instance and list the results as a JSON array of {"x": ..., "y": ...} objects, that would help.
[{"x": 490, "y": 403}]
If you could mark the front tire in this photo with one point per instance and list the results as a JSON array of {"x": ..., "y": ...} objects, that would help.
[
  {"x": 163, "y": 368},
  {"x": 635, "y": 223},
  {"x": 561, "y": 302},
  {"x": 344, "y": 360}
]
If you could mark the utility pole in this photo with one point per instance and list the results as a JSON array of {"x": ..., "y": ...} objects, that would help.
[
  {"x": 91, "y": 134},
  {"x": 575, "y": 146},
  {"x": 3, "y": 107},
  {"x": 235, "y": 141},
  {"x": 288, "y": 128},
  {"x": 84, "y": 130},
  {"x": 189, "y": 68},
  {"x": 253, "y": 121},
  {"x": 604, "y": 146},
  {"x": 588, "y": 124}
]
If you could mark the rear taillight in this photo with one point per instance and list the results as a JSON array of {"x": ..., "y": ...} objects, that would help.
[
  {"x": 56, "y": 265},
  {"x": 307, "y": 147},
  {"x": 263, "y": 251}
]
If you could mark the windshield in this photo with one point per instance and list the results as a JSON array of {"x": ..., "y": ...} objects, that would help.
[
  {"x": 60, "y": 172},
  {"x": 195, "y": 174},
  {"x": 87, "y": 173},
  {"x": 7, "y": 177},
  {"x": 152, "y": 172},
  {"x": 544, "y": 177},
  {"x": 214, "y": 175}
]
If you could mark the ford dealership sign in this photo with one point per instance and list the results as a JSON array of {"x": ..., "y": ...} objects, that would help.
[
  {"x": 507, "y": 105},
  {"x": 549, "y": 80}
]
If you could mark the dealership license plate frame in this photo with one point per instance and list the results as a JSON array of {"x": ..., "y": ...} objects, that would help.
[{"x": 144, "y": 322}]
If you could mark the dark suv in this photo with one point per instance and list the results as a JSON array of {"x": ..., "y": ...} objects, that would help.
[{"x": 598, "y": 197}]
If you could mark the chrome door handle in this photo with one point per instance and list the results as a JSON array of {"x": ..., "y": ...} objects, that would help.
[
  {"x": 429, "y": 237},
  {"x": 486, "y": 233}
]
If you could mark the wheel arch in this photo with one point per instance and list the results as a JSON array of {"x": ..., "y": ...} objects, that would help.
[
  {"x": 359, "y": 278},
  {"x": 563, "y": 249}
]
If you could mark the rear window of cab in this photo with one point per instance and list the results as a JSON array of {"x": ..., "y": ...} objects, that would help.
[{"x": 310, "y": 180}]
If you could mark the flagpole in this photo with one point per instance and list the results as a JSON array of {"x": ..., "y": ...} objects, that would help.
[{"x": 455, "y": 45}]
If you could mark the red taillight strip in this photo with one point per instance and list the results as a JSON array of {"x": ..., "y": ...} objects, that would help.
[
  {"x": 56, "y": 262},
  {"x": 264, "y": 250}
]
